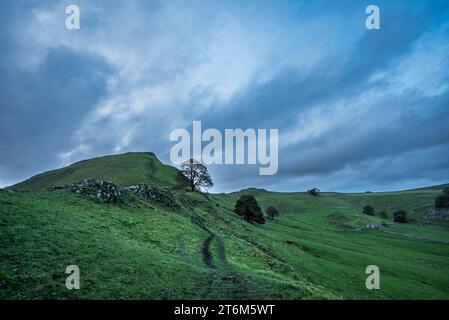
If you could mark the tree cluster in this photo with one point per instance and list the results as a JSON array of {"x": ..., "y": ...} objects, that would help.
[
  {"x": 248, "y": 207},
  {"x": 400, "y": 216}
]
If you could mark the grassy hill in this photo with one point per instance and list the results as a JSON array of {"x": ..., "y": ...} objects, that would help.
[
  {"x": 415, "y": 202},
  {"x": 317, "y": 249},
  {"x": 123, "y": 169}
]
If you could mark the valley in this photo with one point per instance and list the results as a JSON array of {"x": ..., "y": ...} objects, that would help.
[{"x": 318, "y": 248}]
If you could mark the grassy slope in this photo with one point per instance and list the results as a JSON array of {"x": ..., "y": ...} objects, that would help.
[
  {"x": 139, "y": 250},
  {"x": 322, "y": 246},
  {"x": 123, "y": 169},
  {"x": 130, "y": 251}
]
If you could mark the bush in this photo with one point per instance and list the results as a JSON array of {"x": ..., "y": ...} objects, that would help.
[
  {"x": 368, "y": 210},
  {"x": 400, "y": 216},
  {"x": 314, "y": 192},
  {"x": 272, "y": 212},
  {"x": 383, "y": 214},
  {"x": 442, "y": 201},
  {"x": 248, "y": 207}
]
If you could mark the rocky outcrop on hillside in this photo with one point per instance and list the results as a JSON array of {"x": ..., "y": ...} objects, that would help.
[
  {"x": 102, "y": 190},
  {"x": 108, "y": 192},
  {"x": 162, "y": 196}
]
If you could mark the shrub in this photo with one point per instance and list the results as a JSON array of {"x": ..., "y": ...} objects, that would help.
[
  {"x": 368, "y": 210},
  {"x": 400, "y": 216},
  {"x": 272, "y": 212},
  {"x": 442, "y": 201},
  {"x": 383, "y": 214},
  {"x": 248, "y": 207}
]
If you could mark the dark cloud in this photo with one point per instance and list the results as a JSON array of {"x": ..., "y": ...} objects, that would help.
[
  {"x": 41, "y": 110},
  {"x": 355, "y": 118},
  {"x": 421, "y": 126}
]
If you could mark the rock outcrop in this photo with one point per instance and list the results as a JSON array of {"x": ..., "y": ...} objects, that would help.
[
  {"x": 108, "y": 192},
  {"x": 103, "y": 190},
  {"x": 161, "y": 196}
]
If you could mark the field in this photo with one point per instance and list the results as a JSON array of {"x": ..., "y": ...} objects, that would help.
[{"x": 318, "y": 248}]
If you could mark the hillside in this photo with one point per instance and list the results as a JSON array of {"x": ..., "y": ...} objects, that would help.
[
  {"x": 439, "y": 187},
  {"x": 123, "y": 169},
  {"x": 317, "y": 249},
  {"x": 415, "y": 202}
]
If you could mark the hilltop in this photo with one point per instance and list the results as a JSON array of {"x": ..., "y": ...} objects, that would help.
[
  {"x": 123, "y": 169},
  {"x": 318, "y": 248}
]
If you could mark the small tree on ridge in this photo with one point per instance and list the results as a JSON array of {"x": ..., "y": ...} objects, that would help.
[
  {"x": 196, "y": 175},
  {"x": 368, "y": 210}
]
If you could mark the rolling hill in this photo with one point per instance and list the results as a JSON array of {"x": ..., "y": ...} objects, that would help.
[
  {"x": 123, "y": 169},
  {"x": 318, "y": 248}
]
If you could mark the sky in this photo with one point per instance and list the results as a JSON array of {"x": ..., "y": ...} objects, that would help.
[{"x": 356, "y": 109}]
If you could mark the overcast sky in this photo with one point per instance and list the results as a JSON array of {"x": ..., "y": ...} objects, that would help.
[{"x": 356, "y": 109}]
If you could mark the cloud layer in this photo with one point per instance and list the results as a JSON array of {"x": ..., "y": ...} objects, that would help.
[{"x": 356, "y": 109}]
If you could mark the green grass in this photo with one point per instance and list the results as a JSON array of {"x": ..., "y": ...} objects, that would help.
[
  {"x": 316, "y": 249},
  {"x": 123, "y": 169}
]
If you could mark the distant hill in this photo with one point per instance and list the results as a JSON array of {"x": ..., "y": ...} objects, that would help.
[
  {"x": 440, "y": 186},
  {"x": 122, "y": 169}
]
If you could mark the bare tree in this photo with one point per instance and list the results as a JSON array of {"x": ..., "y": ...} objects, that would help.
[{"x": 196, "y": 175}]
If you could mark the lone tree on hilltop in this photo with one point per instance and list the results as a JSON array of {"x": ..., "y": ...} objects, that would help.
[
  {"x": 195, "y": 175},
  {"x": 272, "y": 212},
  {"x": 248, "y": 207},
  {"x": 400, "y": 216},
  {"x": 442, "y": 201},
  {"x": 368, "y": 210}
]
